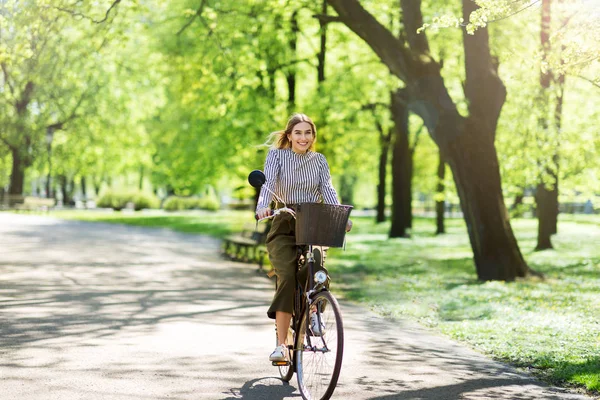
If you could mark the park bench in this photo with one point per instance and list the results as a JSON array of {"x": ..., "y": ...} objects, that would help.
[{"x": 247, "y": 245}]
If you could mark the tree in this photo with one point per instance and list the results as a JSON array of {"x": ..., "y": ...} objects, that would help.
[
  {"x": 440, "y": 198},
  {"x": 467, "y": 143},
  {"x": 50, "y": 74}
]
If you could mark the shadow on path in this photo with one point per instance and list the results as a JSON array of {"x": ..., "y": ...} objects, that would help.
[{"x": 264, "y": 388}]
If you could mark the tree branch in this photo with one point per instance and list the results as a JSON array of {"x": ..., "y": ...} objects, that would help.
[
  {"x": 516, "y": 12},
  {"x": 288, "y": 64},
  {"x": 483, "y": 87},
  {"x": 587, "y": 80},
  {"x": 6, "y": 77},
  {"x": 196, "y": 15},
  {"x": 78, "y": 14},
  {"x": 390, "y": 50},
  {"x": 21, "y": 105},
  {"x": 11, "y": 147},
  {"x": 412, "y": 18},
  {"x": 373, "y": 106},
  {"x": 326, "y": 19},
  {"x": 416, "y": 142}
]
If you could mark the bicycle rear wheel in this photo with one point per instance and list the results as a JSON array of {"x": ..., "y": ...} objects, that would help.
[{"x": 319, "y": 358}]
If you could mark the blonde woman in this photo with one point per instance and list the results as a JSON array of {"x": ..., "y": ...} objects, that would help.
[{"x": 297, "y": 174}]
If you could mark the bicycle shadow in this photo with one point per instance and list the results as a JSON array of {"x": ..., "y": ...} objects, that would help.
[{"x": 264, "y": 388}]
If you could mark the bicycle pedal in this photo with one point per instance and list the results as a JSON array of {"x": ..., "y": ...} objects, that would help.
[{"x": 281, "y": 363}]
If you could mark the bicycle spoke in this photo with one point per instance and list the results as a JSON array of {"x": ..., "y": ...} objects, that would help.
[{"x": 320, "y": 356}]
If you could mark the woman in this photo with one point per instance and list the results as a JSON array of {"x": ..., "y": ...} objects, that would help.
[{"x": 297, "y": 174}]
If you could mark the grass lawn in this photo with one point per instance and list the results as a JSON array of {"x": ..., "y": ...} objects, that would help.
[
  {"x": 550, "y": 327},
  {"x": 218, "y": 224}
]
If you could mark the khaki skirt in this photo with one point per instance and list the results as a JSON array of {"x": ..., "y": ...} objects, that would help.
[{"x": 283, "y": 254}]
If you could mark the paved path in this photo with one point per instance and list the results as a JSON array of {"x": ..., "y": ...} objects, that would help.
[{"x": 98, "y": 311}]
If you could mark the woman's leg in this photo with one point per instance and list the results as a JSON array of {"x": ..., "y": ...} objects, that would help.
[
  {"x": 281, "y": 246},
  {"x": 282, "y": 321}
]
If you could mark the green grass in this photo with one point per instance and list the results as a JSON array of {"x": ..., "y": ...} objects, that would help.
[
  {"x": 217, "y": 223},
  {"x": 550, "y": 327}
]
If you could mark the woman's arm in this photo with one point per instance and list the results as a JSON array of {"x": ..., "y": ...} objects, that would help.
[
  {"x": 325, "y": 186},
  {"x": 271, "y": 174}
]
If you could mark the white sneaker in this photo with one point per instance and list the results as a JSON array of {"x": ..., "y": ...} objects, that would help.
[
  {"x": 318, "y": 329},
  {"x": 279, "y": 354}
]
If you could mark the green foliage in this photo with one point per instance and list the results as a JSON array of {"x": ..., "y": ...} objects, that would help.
[
  {"x": 118, "y": 200},
  {"x": 5, "y": 167},
  {"x": 176, "y": 203},
  {"x": 184, "y": 97},
  {"x": 142, "y": 200},
  {"x": 114, "y": 200}
]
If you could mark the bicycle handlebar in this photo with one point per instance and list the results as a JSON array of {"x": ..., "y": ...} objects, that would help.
[{"x": 277, "y": 212}]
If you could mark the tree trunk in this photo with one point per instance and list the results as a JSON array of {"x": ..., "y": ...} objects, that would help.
[
  {"x": 381, "y": 186},
  {"x": 555, "y": 158},
  {"x": 321, "y": 60},
  {"x": 474, "y": 164},
  {"x": 17, "y": 176},
  {"x": 544, "y": 196},
  {"x": 97, "y": 186},
  {"x": 440, "y": 203},
  {"x": 83, "y": 188},
  {"x": 141, "y": 181},
  {"x": 62, "y": 181},
  {"x": 323, "y": 44},
  {"x": 400, "y": 167},
  {"x": 518, "y": 201},
  {"x": 407, "y": 203},
  {"x": 71, "y": 191},
  {"x": 548, "y": 194},
  {"x": 291, "y": 73},
  {"x": 466, "y": 143},
  {"x": 544, "y": 199},
  {"x": 560, "y": 83}
]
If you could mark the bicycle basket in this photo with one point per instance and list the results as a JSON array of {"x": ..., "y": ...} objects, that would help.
[{"x": 321, "y": 224}]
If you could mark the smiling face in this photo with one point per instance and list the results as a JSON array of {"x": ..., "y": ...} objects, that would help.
[{"x": 302, "y": 137}]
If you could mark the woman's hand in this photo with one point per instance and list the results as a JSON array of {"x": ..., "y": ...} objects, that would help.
[
  {"x": 264, "y": 213},
  {"x": 349, "y": 226}
]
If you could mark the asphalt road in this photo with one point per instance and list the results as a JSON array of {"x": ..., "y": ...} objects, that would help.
[{"x": 98, "y": 311}]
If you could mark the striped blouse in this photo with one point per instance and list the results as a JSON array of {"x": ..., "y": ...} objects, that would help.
[{"x": 297, "y": 178}]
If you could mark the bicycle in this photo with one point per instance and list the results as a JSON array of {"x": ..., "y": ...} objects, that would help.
[{"x": 315, "y": 352}]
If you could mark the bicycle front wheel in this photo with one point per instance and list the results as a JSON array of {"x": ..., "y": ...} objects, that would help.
[{"x": 320, "y": 348}]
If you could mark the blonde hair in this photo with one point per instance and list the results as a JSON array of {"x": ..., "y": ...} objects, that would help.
[{"x": 279, "y": 139}]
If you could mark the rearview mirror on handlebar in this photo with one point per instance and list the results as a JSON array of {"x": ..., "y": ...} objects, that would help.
[{"x": 256, "y": 178}]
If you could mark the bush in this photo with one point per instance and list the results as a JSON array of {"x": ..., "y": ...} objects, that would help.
[
  {"x": 209, "y": 203},
  {"x": 115, "y": 200},
  {"x": 118, "y": 200},
  {"x": 143, "y": 200},
  {"x": 175, "y": 203}
]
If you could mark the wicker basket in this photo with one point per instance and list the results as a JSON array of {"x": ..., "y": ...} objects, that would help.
[{"x": 321, "y": 224}]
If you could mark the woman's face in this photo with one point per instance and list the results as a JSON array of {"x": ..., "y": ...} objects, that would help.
[{"x": 302, "y": 137}]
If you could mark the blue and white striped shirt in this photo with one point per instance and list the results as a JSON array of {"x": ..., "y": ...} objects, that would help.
[{"x": 297, "y": 178}]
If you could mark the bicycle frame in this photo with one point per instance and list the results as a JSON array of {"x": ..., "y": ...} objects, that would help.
[{"x": 304, "y": 294}]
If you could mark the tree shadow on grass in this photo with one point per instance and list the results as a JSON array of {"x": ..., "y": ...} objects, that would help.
[{"x": 585, "y": 373}]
